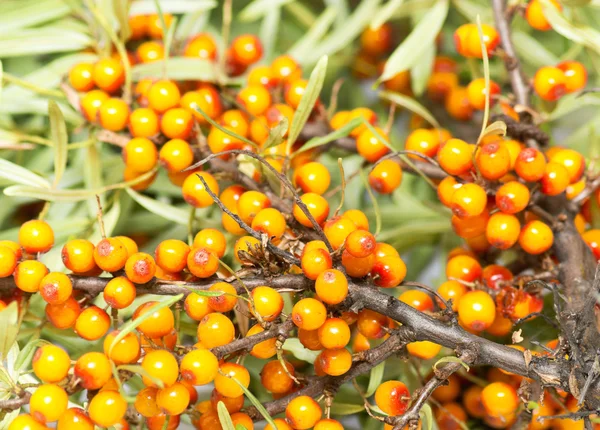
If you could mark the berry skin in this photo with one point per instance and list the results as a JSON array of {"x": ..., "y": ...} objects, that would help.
[
  {"x": 140, "y": 268},
  {"x": 56, "y": 288},
  {"x": 224, "y": 382},
  {"x": 107, "y": 408},
  {"x": 14, "y": 246},
  {"x": 303, "y": 412},
  {"x": 91, "y": 103},
  {"x": 499, "y": 399},
  {"x": 265, "y": 349},
  {"x": 334, "y": 333},
  {"x": 309, "y": 314},
  {"x": 140, "y": 154},
  {"x": 245, "y": 244},
  {"x": 27, "y": 422},
  {"x": 452, "y": 290},
  {"x": 275, "y": 378},
  {"x": 51, "y": 364},
  {"x": 215, "y": 329},
  {"x": 194, "y": 192},
  {"x": 225, "y": 302},
  {"x": 202, "y": 262},
  {"x": 476, "y": 92},
  {"x": 78, "y": 256},
  {"x": 468, "y": 42},
  {"x": 163, "y": 95},
  {"x": 310, "y": 339},
  {"x": 419, "y": 300},
  {"x": 555, "y": 179},
  {"x": 126, "y": 351},
  {"x": 262, "y": 75},
  {"x": 148, "y": 52},
  {"x": 159, "y": 324},
  {"x": 129, "y": 244},
  {"x": 455, "y": 157},
  {"x": 110, "y": 254},
  {"x": 92, "y": 323},
  {"x": 493, "y": 161},
  {"x": 449, "y": 392},
  {"x": 176, "y": 155},
  {"x": 337, "y": 230},
  {"x": 530, "y": 165},
  {"x": 143, "y": 122},
  {"x": 160, "y": 365},
  {"x": 476, "y": 310},
  {"x": 388, "y": 271},
  {"x": 376, "y": 42},
  {"x": 114, "y": 114},
  {"x": 8, "y": 261},
  {"x": 294, "y": 92},
  {"x": 358, "y": 218},
  {"x": 550, "y": 83},
  {"x": 285, "y": 69},
  {"x": 256, "y": 99},
  {"x": 145, "y": 402},
  {"x": 572, "y": 161},
  {"x": 370, "y": 146},
  {"x": 472, "y": 227},
  {"x": 173, "y": 400},
  {"x": 176, "y": 123},
  {"x": 196, "y": 306},
  {"x": 534, "y": 14},
  {"x": 446, "y": 189},
  {"x": 385, "y": 177},
  {"x": 449, "y": 415},
  {"x": 328, "y": 424},
  {"x": 392, "y": 397},
  {"x": 512, "y": 197},
  {"x": 64, "y": 315},
  {"x": 424, "y": 141},
  {"x": 171, "y": 255},
  {"x": 250, "y": 204},
  {"x": 199, "y": 367},
  {"x": 36, "y": 236},
  {"x": 246, "y": 49},
  {"x": 457, "y": 104},
  {"x": 80, "y": 77},
  {"x": 371, "y": 324},
  {"x": 503, "y": 230},
  {"x": 270, "y": 222},
  {"x": 317, "y": 206},
  {"x": 93, "y": 368},
  {"x": 468, "y": 201},
  {"x": 219, "y": 141},
  {"x": 575, "y": 75},
  {"x": 48, "y": 403},
  {"x": 312, "y": 177},
  {"x": 206, "y": 99},
  {"x": 267, "y": 303},
  {"x": 331, "y": 286},
  {"x": 334, "y": 362},
  {"x": 75, "y": 419},
  {"x": 211, "y": 239},
  {"x": 536, "y": 237},
  {"x": 464, "y": 268},
  {"x": 108, "y": 75},
  {"x": 202, "y": 46},
  {"x": 424, "y": 349},
  {"x": 119, "y": 293}
]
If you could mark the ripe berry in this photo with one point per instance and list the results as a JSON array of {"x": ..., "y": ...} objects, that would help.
[
  {"x": 225, "y": 302},
  {"x": 56, "y": 288},
  {"x": 113, "y": 114},
  {"x": 371, "y": 324},
  {"x": 64, "y": 315},
  {"x": 468, "y": 201},
  {"x": 92, "y": 323},
  {"x": 150, "y": 51},
  {"x": 224, "y": 382},
  {"x": 91, "y": 103},
  {"x": 476, "y": 92},
  {"x": 140, "y": 154},
  {"x": 294, "y": 92},
  {"x": 160, "y": 365},
  {"x": 472, "y": 227},
  {"x": 176, "y": 155},
  {"x": 455, "y": 157},
  {"x": 275, "y": 378},
  {"x": 449, "y": 415},
  {"x": 476, "y": 310},
  {"x": 331, "y": 286},
  {"x": 370, "y": 146},
  {"x": 202, "y": 46},
  {"x": 140, "y": 268},
  {"x": 392, "y": 397},
  {"x": 388, "y": 272},
  {"x": 51, "y": 363},
  {"x": 159, "y": 324},
  {"x": 309, "y": 314},
  {"x": 493, "y": 161},
  {"x": 202, "y": 262},
  {"x": 205, "y": 99},
  {"x": 358, "y": 217},
  {"x": 376, "y": 41},
  {"x": 446, "y": 189},
  {"x": 108, "y": 75},
  {"x": 452, "y": 290},
  {"x": 211, "y": 239},
  {"x": 312, "y": 177},
  {"x": 419, "y": 300},
  {"x": 163, "y": 95},
  {"x": 173, "y": 400},
  {"x": 143, "y": 122},
  {"x": 425, "y": 349},
  {"x": 93, "y": 369},
  {"x": 107, "y": 408},
  {"x": 530, "y": 165},
  {"x": 424, "y": 141},
  {"x": 512, "y": 197},
  {"x": 337, "y": 230},
  {"x": 303, "y": 412},
  {"x": 536, "y": 237},
  {"x": 80, "y": 77},
  {"x": 48, "y": 403},
  {"x": 110, "y": 254},
  {"x": 499, "y": 399},
  {"x": 246, "y": 49},
  {"x": 171, "y": 255},
  {"x": 385, "y": 177},
  {"x": 219, "y": 141},
  {"x": 285, "y": 69},
  {"x": 468, "y": 42},
  {"x": 267, "y": 303},
  {"x": 145, "y": 402},
  {"x": 270, "y": 222},
  {"x": 194, "y": 192},
  {"x": 464, "y": 268},
  {"x": 262, "y": 75},
  {"x": 575, "y": 75},
  {"x": 8, "y": 261},
  {"x": 334, "y": 333},
  {"x": 265, "y": 349},
  {"x": 119, "y": 293},
  {"x": 534, "y": 14},
  {"x": 36, "y": 236},
  {"x": 215, "y": 329},
  {"x": 503, "y": 230},
  {"x": 78, "y": 256},
  {"x": 75, "y": 419},
  {"x": 126, "y": 351},
  {"x": 550, "y": 83},
  {"x": 199, "y": 367},
  {"x": 457, "y": 104},
  {"x": 317, "y": 206},
  {"x": 334, "y": 362},
  {"x": 572, "y": 161},
  {"x": 256, "y": 99},
  {"x": 176, "y": 123},
  {"x": 555, "y": 179}
]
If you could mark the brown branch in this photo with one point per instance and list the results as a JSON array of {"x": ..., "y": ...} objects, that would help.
[
  {"x": 246, "y": 344},
  {"x": 16, "y": 403}
]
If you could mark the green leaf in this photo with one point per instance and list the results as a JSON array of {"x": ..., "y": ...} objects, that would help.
[
  {"x": 421, "y": 71},
  {"x": 410, "y": 104},
  {"x": 240, "y": 427},
  {"x": 58, "y": 131},
  {"x": 205, "y": 293},
  {"x": 346, "y": 409},
  {"x": 178, "y": 68},
  {"x": 164, "y": 210},
  {"x": 259, "y": 9},
  {"x": 257, "y": 404},
  {"x": 531, "y": 51},
  {"x": 138, "y": 369},
  {"x": 470, "y": 9},
  {"x": 15, "y": 14},
  {"x": 224, "y": 417},
  {"x": 427, "y": 415},
  {"x": 334, "y": 135},
  {"x": 224, "y": 129},
  {"x": 121, "y": 12},
  {"x": 307, "y": 102},
  {"x": 269, "y": 29},
  {"x": 131, "y": 325},
  {"x": 451, "y": 359},
  {"x": 572, "y": 102},
  {"x": 276, "y": 134},
  {"x": 577, "y": 33},
  {"x": 385, "y": 13},
  {"x": 26, "y": 354},
  {"x": 424, "y": 34},
  {"x": 311, "y": 38},
  {"x": 294, "y": 346},
  {"x": 20, "y": 175},
  {"x": 9, "y": 328},
  {"x": 147, "y": 7},
  {"x": 43, "y": 40},
  {"x": 375, "y": 378}
]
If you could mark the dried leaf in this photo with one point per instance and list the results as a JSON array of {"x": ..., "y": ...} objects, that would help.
[{"x": 516, "y": 336}]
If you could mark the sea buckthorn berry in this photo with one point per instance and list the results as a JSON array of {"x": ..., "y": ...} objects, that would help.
[
  {"x": 56, "y": 288},
  {"x": 171, "y": 255},
  {"x": 285, "y": 69},
  {"x": 536, "y": 237},
  {"x": 199, "y": 367},
  {"x": 592, "y": 239},
  {"x": 243, "y": 420},
  {"x": 251, "y": 203},
  {"x": 202, "y": 262},
  {"x": 446, "y": 189},
  {"x": 472, "y": 401},
  {"x": 48, "y": 403},
  {"x": 80, "y": 77},
  {"x": 107, "y": 408},
  {"x": 371, "y": 324},
  {"x": 392, "y": 397},
  {"x": 575, "y": 75},
  {"x": 275, "y": 378},
  {"x": 449, "y": 392},
  {"x": 74, "y": 419},
  {"x": 125, "y": 351},
  {"x": 64, "y": 315},
  {"x": 202, "y": 46},
  {"x": 176, "y": 123},
  {"x": 163, "y": 95},
  {"x": 334, "y": 333},
  {"x": 468, "y": 201},
  {"x": 534, "y": 14},
  {"x": 457, "y": 104},
  {"x": 159, "y": 324},
  {"x": 256, "y": 99},
  {"x": 138, "y": 24},
  {"x": 440, "y": 84},
  {"x": 512, "y": 197},
  {"x": 493, "y": 161},
  {"x": 424, "y": 141},
  {"x": 194, "y": 191},
  {"x": 224, "y": 382},
  {"x": 315, "y": 262},
  {"x": 309, "y": 314},
  {"x": 265, "y": 349},
  {"x": 155, "y": 26},
  {"x": 572, "y": 161},
  {"x": 463, "y": 268},
  {"x": 110, "y": 254},
  {"x": 388, "y": 272},
  {"x": 108, "y": 74},
  {"x": 113, "y": 114},
  {"x": 376, "y": 41},
  {"x": 129, "y": 244},
  {"x": 36, "y": 236},
  {"x": 215, "y": 329},
  {"x": 92, "y": 323},
  {"x": 150, "y": 51},
  {"x": 211, "y": 239},
  {"x": 550, "y": 83},
  {"x": 503, "y": 230},
  {"x": 246, "y": 49},
  {"x": 220, "y": 141},
  {"x": 317, "y": 206},
  {"x": 91, "y": 103},
  {"x": 476, "y": 310},
  {"x": 224, "y": 302},
  {"x": 93, "y": 369},
  {"x": 358, "y": 217},
  {"x": 270, "y": 222},
  {"x": 472, "y": 227},
  {"x": 514, "y": 148},
  {"x": 205, "y": 99},
  {"x": 425, "y": 349},
  {"x": 235, "y": 120},
  {"x": 145, "y": 402},
  {"x": 419, "y": 300},
  {"x": 51, "y": 363},
  {"x": 140, "y": 268},
  {"x": 14, "y": 247},
  {"x": 476, "y": 91},
  {"x": 499, "y": 399},
  {"x": 455, "y": 157},
  {"x": 78, "y": 256},
  {"x": 176, "y": 155},
  {"x": 334, "y": 362},
  {"x": 143, "y": 122},
  {"x": 530, "y": 165},
  {"x": 501, "y": 326},
  {"x": 555, "y": 179},
  {"x": 119, "y": 293},
  {"x": 385, "y": 177},
  {"x": 196, "y": 306},
  {"x": 303, "y": 412},
  {"x": 246, "y": 244},
  {"x": 385, "y": 250},
  {"x": 160, "y": 365},
  {"x": 173, "y": 400},
  {"x": 337, "y": 230},
  {"x": 449, "y": 415},
  {"x": 294, "y": 92},
  {"x": 369, "y": 145},
  {"x": 27, "y": 422},
  {"x": 331, "y": 286},
  {"x": 310, "y": 339},
  {"x": 267, "y": 303},
  {"x": 452, "y": 290},
  {"x": 573, "y": 190},
  {"x": 140, "y": 154},
  {"x": 494, "y": 275},
  {"x": 328, "y": 424},
  {"x": 365, "y": 113},
  {"x": 312, "y": 177},
  {"x": 261, "y": 75},
  {"x": 138, "y": 183},
  {"x": 8, "y": 261}
]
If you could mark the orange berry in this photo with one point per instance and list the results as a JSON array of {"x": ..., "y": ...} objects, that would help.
[
  {"x": 530, "y": 165},
  {"x": 367, "y": 114},
  {"x": 36, "y": 236},
  {"x": 125, "y": 351},
  {"x": 243, "y": 420},
  {"x": 315, "y": 262},
  {"x": 145, "y": 402},
  {"x": 194, "y": 191},
  {"x": 80, "y": 77},
  {"x": 536, "y": 237},
  {"x": 369, "y": 145},
  {"x": 261, "y": 75},
  {"x": 337, "y": 230},
  {"x": 206, "y": 99},
  {"x": 246, "y": 49},
  {"x": 202, "y": 46},
  {"x": 225, "y": 302},
  {"x": 176, "y": 155},
  {"x": 388, "y": 272},
  {"x": 199, "y": 367},
  {"x": 499, "y": 399},
  {"x": 468, "y": 201},
  {"x": 550, "y": 83},
  {"x": 333, "y": 334},
  {"x": 113, "y": 114},
  {"x": 334, "y": 362},
  {"x": 8, "y": 261},
  {"x": 446, "y": 189},
  {"x": 270, "y": 222},
  {"x": 140, "y": 184},
  {"x": 224, "y": 382},
  {"x": 452, "y": 290},
  {"x": 196, "y": 306},
  {"x": 468, "y": 42},
  {"x": 93, "y": 369},
  {"x": 419, "y": 300},
  {"x": 312, "y": 177},
  {"x": 331, "y": 286},
  {"x": 472, "y": 401},
  {"x": 171, "y": 255},
  {"x": 51, "y": 363},
  {"x": 357, "y": 267},
  {"x": 129, "y": 244},
  {"x": 143, "y": 122},
  {"x": 317, "y": 206},
  {"x": 493, "y": 161},
  {"x": 464, "y": 268},
  {"x": 176, "y": 123},
  {"x": 246, "y": 244},
  {"x": 48, "y": 403},
  {"x": 235, "y": 120},
  {"x": 501, "y": 326},
  {"x": 471, "y": 227},
  {"x": 455, "y": 157},
  {"x": 150, "y": 51},
  {"x": 55, "y": 288},
  {"x": 376, "y": 41},
  {"x": 285, "y": 69},
  {"x": 424, "y": 141},
  {"x": 219, "y": 141},
  {"x": 572, "y": 161},
  {"x": 303, "y": 412},
  {"x": 108, "y": 75},
  {"x": 202, "y": 262},
  {"x": 107, "y": 408},
  {"x": 392, "y": 397},
  {"x": 476, "y": 92},
  {"x": 92, "y": 323},
  {"x": 309, "y": 314},
  {"x": 75, "y": 419},
  {"x": 267, "y": 303},
  {"x": 512, "y": 197},
  {"x": 211, "y": 239},
  {"x": 575, "y": 75},
  {"x": 425, "y": 349},
  {"x": 173, "y": 400},
  {"x": 385, "y": 177},
  {"x": 275, "y": 378},
  {"x": 476, "y": 310},
  {"x": 371, "y": 324},
  {"x": 160, "y": 365},
  {"x": 448, "y": 392},
  {"x": 256, "y": 99},
  {"x": 503, "y": 230},
  {"x": 265, "y": 349},
  {"x": 457, "y": 104},
  {"x": 119, "y": 293},
  {"x": 215, "y": 329},
  {"x": 294, "y": 92},
  {"x": 555, "y": 179},
  {"x": 91, "y": 103},
  {"x": 159, "y": 324},
  {"x": 450, "y": 416},
  {"x": 64, "y": 315},
  {"x": 251, "y": 203},
  {"x": 358, "y": 217},
  {"x": 163, "y": 95},
  {"x": 78, "y": 256},
  {"x": 534, "y": 14},
  {"x": 110, "y": 254},
  {"x": 140, "y": 268}
]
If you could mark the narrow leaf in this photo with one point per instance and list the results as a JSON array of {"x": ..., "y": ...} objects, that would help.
[
  {"x": 385, "y": 13},
  {"x": 497, "y": 128},
  {"x": 577, "y": 33},
  {"x": 9, "y": 328},
  {"x": 269, "y": 29},
  {"x": 375, "y": 378},
  {"x": 20, "y": 175},
  {"x": 531, "y": 51},
  {"x": 451, "y": 359},
  {"x": 224, "y": 417},
  {"x": 276, "y": 134},
  {"x": 58, "y": 131},
  {"x": 136, "y": 368},
  {"x": 259, "y": 9},
  {"x": 121, "y": 11},
  {"x": 304, "y": 45},
  {"x": 224, "y": 129},
  {"x": 148, "y": 7},
  {"x": 205, "y": 293},
  {"x": 410, "y": 104},
  {"x": 257, "y": 404},
  {"x": 427, "y": 416},
  {"x": 26, "y": 354},
  {"x": 334, "y": 135},
  {"x": 178, "y": 68},
  {"x": 342, "y": 409},
  {"x": 164, "y": 210}
]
